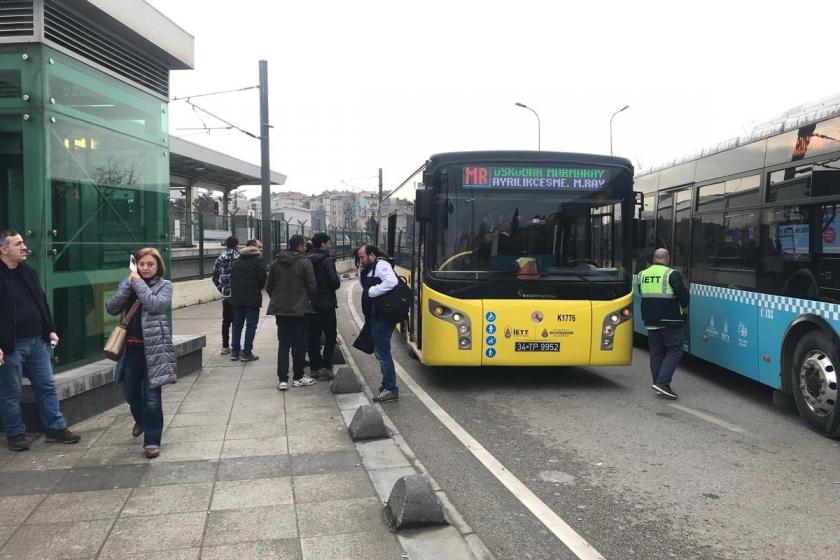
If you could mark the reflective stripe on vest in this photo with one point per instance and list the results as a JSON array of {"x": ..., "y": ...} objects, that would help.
[{"x": 653, "y": 282}]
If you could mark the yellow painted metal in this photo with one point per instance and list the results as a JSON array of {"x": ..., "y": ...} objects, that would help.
[
  {"x": 622, "y": 348},
  {"x": 563, "y": 324},
  {"x": 440, "y": 336},
  {"x": 573, "y": 324}
]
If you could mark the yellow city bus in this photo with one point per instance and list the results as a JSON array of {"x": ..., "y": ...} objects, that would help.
[{"x": 515, "y": 258}]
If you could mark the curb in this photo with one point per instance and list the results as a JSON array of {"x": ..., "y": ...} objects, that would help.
[{"x": 473, "y": 542}]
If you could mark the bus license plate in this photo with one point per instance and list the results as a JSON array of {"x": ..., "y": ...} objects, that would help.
[{"x": 537, "y": 347}]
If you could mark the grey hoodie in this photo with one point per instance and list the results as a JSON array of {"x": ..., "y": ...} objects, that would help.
[{"x": 291, "y": 285}]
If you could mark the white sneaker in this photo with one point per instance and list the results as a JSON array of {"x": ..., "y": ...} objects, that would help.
[
  {"x": 282, "y": 386},
  {"x": 304, "y": 381}
]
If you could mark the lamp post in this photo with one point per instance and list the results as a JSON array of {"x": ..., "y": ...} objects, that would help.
[
  {"x": 539, "y": 146},
  {"x": 611, "y": 120}
]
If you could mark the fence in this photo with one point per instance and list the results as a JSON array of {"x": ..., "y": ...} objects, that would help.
[{"x": 199, "y": 237}]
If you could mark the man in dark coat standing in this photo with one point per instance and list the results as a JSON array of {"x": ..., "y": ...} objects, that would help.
[
  {"x": 325, "y": 304},
  {"x": 291, "y": 287},
  {"x": 247, "y": 278},
  {"x": 26, "y": 334}
]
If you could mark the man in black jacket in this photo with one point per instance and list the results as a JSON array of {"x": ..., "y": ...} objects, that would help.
[
  {"x": 291, "y": 288},
  {"x": 26, "y": 328},
  {"x": 247, "y": 279},
  {"x": 325, "y": 303}
]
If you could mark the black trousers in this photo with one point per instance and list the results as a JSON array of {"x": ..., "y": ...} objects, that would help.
[
  {"x": 227, "y": 321},
  {"x": 291, "y": 335},
  {"x": 323, "y": 321}
]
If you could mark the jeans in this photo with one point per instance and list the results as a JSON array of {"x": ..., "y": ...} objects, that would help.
[
  {"x": 227, "y": 321},
  {"x": 31, "y": 358},
  {"x": 145, "y": 403},
  {"x": 241, "y": 315},
  {"x": 291, "y": 334},
  {"x": 323, "y": 321},
  {"x": 666, "y": 349},
  {"x": 381, "y": 330}
]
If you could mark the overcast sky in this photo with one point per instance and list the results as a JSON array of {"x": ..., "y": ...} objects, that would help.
[{"x": 359, "y": 85}]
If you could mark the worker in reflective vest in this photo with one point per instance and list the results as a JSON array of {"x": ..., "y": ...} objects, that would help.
[{"x": 664, "y": 305}]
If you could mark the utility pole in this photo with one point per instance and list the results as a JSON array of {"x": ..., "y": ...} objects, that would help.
[
  {"x": 379, "y": 209},
  {"x": 265, "y": 171}
]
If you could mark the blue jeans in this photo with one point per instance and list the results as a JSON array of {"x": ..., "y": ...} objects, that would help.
[
  {"x": 381, "y": 330},
  {"x": 666, "y": 349},
  {"x": 145, "y": 403},
  {"x": 241, "y": 316},
  {"x": 30, "y": 358}
]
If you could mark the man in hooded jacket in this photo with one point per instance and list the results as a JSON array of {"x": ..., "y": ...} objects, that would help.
[
  {"x": 247, "y": 278},
  {"x": 291, "y": 287},
  {"x": 325, "y": 304}
]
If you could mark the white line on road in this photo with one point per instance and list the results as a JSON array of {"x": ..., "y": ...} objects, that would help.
[
  {"x": 709, "y": 418},
  {"x": 577, "y": 544}
]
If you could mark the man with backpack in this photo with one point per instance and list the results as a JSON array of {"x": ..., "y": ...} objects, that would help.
[
  {"x": 378, "y": 278},
  {"x": 325, "y": 304}
]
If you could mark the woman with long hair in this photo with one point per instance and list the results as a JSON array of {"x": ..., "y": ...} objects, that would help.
[{"x": 148, "y": 361}]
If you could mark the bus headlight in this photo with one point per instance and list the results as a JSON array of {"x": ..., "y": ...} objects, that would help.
[
  {"x": 458, "y": 319},
  {"x": 610, "y": 323}
]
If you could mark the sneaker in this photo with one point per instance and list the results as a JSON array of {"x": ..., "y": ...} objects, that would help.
[
  {"x": 18, "y": 442},
  {"x": 62, "y": 436},
  {"x": 249, "y": 357},
  {"x": 234, "y": 357},
  {"x": 282, "y": 386},
  {"x": 224, "y": 352},
  {"x": 385, "y": 395},
  {"x": 665, "y": 391},
  {"x": 304, "y": 381}
]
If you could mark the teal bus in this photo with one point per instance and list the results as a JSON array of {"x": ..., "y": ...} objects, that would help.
[{"x": 752, "y": 224}]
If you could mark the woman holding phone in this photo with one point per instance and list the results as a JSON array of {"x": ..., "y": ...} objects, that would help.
[{"x": 148, "y": 361}]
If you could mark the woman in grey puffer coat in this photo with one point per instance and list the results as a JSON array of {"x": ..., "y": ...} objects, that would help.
[{"x": 148, "y": 361}]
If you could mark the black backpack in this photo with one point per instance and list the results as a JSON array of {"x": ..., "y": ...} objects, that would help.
[{"x": 395, "y": 304}]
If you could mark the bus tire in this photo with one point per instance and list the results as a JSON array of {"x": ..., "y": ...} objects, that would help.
[{"x": 814, "y": 383}]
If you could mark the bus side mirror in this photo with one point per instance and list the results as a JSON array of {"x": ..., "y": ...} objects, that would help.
[
  {"x": 639, "y": 233},
  {"x": 424, "y": 205}
]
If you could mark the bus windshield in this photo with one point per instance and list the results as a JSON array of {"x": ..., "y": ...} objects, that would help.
[{"x": 531, "y": 235}]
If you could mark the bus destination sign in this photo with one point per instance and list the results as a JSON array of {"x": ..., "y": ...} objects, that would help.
[{"x": 546, "y": 178}]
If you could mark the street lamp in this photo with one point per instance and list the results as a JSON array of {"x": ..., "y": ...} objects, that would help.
[
  {"x": 539, "y": 147},
  {"x": 611, "y": 120}
]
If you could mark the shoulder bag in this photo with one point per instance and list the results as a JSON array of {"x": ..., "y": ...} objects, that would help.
[{"x": 116, "y": 342}]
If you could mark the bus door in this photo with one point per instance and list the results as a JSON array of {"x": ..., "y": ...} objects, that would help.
[
  {"x": 828, "y": 272},
  {"x": 673, "y": 230}
]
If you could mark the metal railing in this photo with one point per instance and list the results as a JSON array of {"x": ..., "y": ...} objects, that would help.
[{"x": 198, "y": 238}]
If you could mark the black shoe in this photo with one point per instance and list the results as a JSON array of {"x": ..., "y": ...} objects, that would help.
[
  {"x": 386, "y": 396},
  {"x": 249, "y": 357},
  {"x": 234, "y": 357},
  {"x": 62, "y": 436},
  {"x": 665, "y": 391},
  {"x": 18, "y": 442}
]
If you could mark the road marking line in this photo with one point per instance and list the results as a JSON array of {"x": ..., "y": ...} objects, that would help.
[
  {"x": 568, "y": 536},
  {"x": 709, "y": 418}
]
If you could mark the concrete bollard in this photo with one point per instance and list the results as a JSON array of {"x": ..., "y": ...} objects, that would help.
[
  {"x": 345, "y": 382},
  {"x": 367, "y": 423},
  {"x": 413, "y": 503}
]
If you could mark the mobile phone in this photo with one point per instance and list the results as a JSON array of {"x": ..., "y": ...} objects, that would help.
[{"x": 132, "y": 264}]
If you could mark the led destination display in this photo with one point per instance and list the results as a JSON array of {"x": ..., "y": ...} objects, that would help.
[{"x": 546, "y": 178}]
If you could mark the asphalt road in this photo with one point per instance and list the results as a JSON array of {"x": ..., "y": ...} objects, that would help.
[{"x": 719, "y": 474}]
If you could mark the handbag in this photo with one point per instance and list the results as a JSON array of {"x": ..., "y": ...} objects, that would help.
[
  {"x": 116, "y": 342},
  {"x": 364, "y": 342}
]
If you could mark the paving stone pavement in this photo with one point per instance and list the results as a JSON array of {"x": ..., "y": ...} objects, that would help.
[{"x": 245, "y": 471}]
